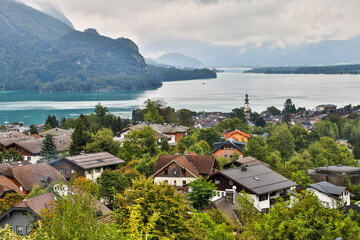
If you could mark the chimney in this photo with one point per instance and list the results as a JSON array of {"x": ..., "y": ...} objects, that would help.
[
  {"x": 244, "y": 168},
  {"x": 230, "y": 194}
]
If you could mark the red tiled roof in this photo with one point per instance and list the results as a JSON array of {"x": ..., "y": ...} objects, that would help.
[
  {"x": 202, "y": 164},
  {"x": 229, "y": 134},
  {"x": 183, "y": 161},
  {"x": 29, "y": 175},
  {"x": 37, "y": 203},
  {"x": 7, "y": 185}
]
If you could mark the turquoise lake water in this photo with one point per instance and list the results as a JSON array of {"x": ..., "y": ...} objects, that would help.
[{"x": 221, "y": 94}]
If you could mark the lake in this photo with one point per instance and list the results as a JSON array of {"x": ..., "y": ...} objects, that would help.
[{"x": 221, "y": 94}]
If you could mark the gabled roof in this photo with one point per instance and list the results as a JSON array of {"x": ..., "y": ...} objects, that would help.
[
  {"x": 166, "y": 128},
  {"x": 251, "y": 161},
  {"x": 6, "y": 185},
  {"x": 94, "y": 160},
  {"x": 182, "y": 161},
  {"x": 37, "y": 203},
  {"x": 230, "y": 141},
  {"x": 12, "y": 134},
  {"x": 33, "y": 146},
  {"x": 326, "y": 188},
  {"x": 257, "y": 179},
  {"x": 229, "y": 134},
  {"x": 8, "y": 141},
  {"x": 56, "y": 132},
  {"x": 203, "y": 164},
  {"x": 5, "y": 166},
  {"x": 29, "y": 175}
]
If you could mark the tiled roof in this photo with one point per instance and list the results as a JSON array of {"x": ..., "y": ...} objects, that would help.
[
  {"x": 62, "y": 142},
  {"x": 94, "y": 160},
  {"x": 203, "y": 164},
  {"x": 229, "y": 134},
  {"x": 327, "y": 188},
  {"x": 29, "y": 175},
  {"x": 12, "y": 134},
  {"x": 164, "y": 129},
  {"x": 7, "y": 185},
  {"x": 57, "y": 132},
  {"x": 257, "y": 179},
  {"x": 37, "y": 203},
  {"x": 5, "y": 166},
  {"x": 8, "y": 141},
  {"x": 230, "y": 141},
  {"x": 33, "y": 146},
  {"x": 251, "y": 161}
]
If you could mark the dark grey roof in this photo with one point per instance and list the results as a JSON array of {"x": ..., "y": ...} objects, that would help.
[
  {"x": 257, "y": 179},
  {"x": 338, "y": 168},
  {"x": 327, "y": 188},
  {"x": 94, "y": 160},
  {"x": 230, "y": 141}
]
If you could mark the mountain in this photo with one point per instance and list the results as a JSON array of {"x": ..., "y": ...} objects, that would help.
[
  {"x": 39, "y": 52},
  {"x": 179, "y": 60},
  {"x": 327, "y": 52},
  {"x": 56, "y": 13}
]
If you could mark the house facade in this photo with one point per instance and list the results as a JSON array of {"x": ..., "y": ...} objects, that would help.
[
  {"x": 180, "y": 170},
  {"x": 330, "y": 195},
  {"x": 89, "y": 165},
  {"x": 262, "y": 183},
  {"x": 226, "y": 148}
]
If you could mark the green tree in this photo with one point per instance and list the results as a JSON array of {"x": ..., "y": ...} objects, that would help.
[
  {"x": 9, "y": 201},
  {"x": 282, "y": 140},
  {"x": 246, "y": 211},
  {"x": 232, "y": 124},
  {"x": 213, "y": 230},
  {"x": 10, "y": 156},
  {"x": 202, "y": 190},
  {"x": 137, "y": 115},
  {"x": 100, "y": 111},
  {"x": 49, "y": 150},
  {"x": 78, "y": 138},
  {"x": 75, "y": 216},
  {"x": 165, "y": 146},
  {"x": 299, "y": 134},
  {"x": 356, "y": 151},
  {"x": 301, "y": 178},
  {"x": 209, "y": 135},
  {"x": 151, "y": 112},
  {"x": 256, "y": 147},
  {"x": 185, "y": 117},
  {"x": 33, "y": 129},
  {"x": 273, "y": 111},
  {"x": 112, "y": 182},
  {"x": 289, "y": 107},
  {"x": 307, "y": 218},
  {"x": 102, "y": 141},
  {"x": 238, "y": 113},
  {"x": 138, "y": 143}
]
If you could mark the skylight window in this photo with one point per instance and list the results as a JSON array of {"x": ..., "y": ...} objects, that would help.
[{"x": 257, "y": 179}]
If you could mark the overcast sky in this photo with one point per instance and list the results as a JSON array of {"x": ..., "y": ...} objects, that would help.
[{"x": 222, "y": 22}]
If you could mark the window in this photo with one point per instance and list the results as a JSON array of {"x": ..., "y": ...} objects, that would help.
[
  {"x": 72, "y": 171},
  {"x": 272, "y": 194},
  {"x": 67, "y": 170},
  {"x": 19, "y": 230},
  {"x": 62, "y": 170},
  {"x": 222, "y": 148},
  {"x": 184, "y": 183},
  {"x": 263, "y": 197},
  {"x": 226, "y": 147},
  {"x": 231, "y": 183},
  {"x": 21, "y": 188},
  {"x": 29, "y": 158},
  {"x": 11, "y": 227},
  {"x": 97, "y": 170},
  {"x": 184, "y": 172},
  {"x": 28, "y": 229},
  {"x": 174, "y": 182},
  {"x": 217, "y": 181},
  {"x": 89, "y": 171},
  {"x": 166, "y": 172},
  {"x": 225, "y": 156}
]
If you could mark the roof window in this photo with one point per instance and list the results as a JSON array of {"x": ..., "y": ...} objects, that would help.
[{"x": 256, "y": 178}]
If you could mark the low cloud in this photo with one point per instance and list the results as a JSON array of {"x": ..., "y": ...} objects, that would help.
[{"x": 220, "y": 22}]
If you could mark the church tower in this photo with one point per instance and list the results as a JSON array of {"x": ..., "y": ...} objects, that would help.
[{"x": 247, "y": 109}]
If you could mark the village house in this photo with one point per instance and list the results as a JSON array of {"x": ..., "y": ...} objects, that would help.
[
  {"x": 330, "y": 195},
  {"x": 21, "y": 217},
  {"x": 5, "y": 143},
  {"x": 26, "y": 176},
  {"x": 326, "y": 108},
  {"x": 174, "y": 132},
  {"x": 31, "y": 149},
  {"x": 226, "y": 148},
  {"x": 335, "y": 174},
  {"x": 179, "y": 170},
  {"x": 262, "y": 183},
  {"x": 89, "y": 165},
  {"x": 8, "y": 186},
  {"x": 237, "y": 135}
]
